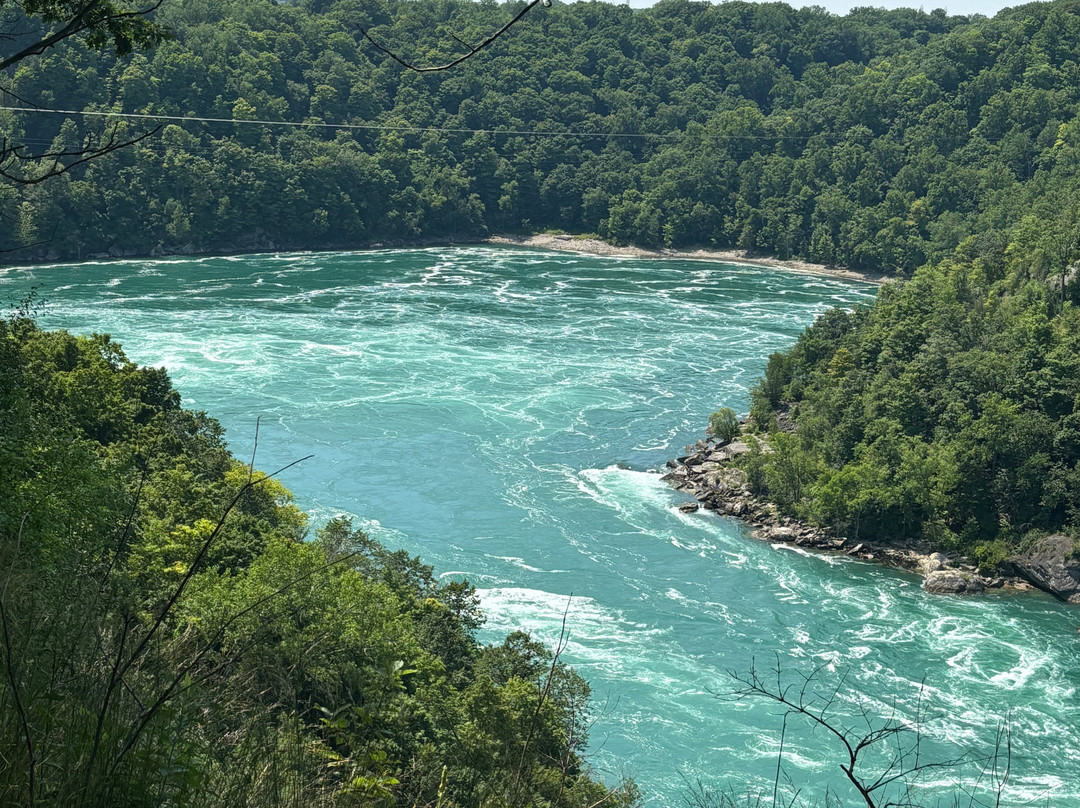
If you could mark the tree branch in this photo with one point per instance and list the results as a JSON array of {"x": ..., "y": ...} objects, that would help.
[
  {"x": 92, "y": 14},
  {"x": 85, "y": 153},
  {"x": 472, "y": 50},
  {"x": 899, "y": 767}
]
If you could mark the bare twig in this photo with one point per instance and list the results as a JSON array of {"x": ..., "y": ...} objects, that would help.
[
  {"x": 779, "y": 760},
  {"x": 542, "y": 696},
  {"x": 116, "y": 676},
  {"x": 121, "y": 540},
  {"x": 174, "y": 688},
  {"x": 472, "y": 49},
  {"x": 38, "y": 243},
  {"x": 254, "y": 450}
]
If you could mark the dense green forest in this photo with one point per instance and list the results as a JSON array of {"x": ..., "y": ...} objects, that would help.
[
  {"x": 878, "y": 140},
  {"x": 949, "y": 411},
  {"x": 173, "y": 635}
]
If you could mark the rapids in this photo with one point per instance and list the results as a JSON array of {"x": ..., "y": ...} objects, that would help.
[{"x": 504, "y": 414}]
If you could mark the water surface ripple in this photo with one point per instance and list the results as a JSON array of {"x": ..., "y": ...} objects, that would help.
[{"x": 504, "y": 413}]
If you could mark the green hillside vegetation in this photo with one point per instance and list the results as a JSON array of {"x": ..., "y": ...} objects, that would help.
[
  {"x": 169, "y": 637},
  {"x": 879, "y": 140},
  {"x": 948, "y": 411}
]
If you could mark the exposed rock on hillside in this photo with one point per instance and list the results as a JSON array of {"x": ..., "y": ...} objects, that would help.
[{"x": 1051, "y": 564}]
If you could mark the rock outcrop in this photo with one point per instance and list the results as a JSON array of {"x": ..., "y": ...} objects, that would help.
[
  {"x": 953, "y": 582},
  {"x": 1052, "y": 564}
]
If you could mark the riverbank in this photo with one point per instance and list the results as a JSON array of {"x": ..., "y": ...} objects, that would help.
[
  {"x": 595, "y": 246},
  {"x": 581, "y": 245},
  {"x": 709, "y": 473}
]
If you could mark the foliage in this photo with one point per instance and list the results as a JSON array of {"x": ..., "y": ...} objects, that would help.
[
  {"x": 170, "y": 637},
  {"x": 878, "y": 140},
  {"x": 724, "y": 424},
  {"x": 948, "y": 410}
]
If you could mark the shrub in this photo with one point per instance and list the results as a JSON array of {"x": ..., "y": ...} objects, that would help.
[{"x": 724, "y": 424}]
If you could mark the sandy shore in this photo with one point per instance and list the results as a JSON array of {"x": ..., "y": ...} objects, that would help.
[{"x": 594, "y": 246}]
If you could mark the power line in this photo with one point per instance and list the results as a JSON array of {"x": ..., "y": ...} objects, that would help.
[
  {"x": 836, "y": 137},
  {"x": 323, "y": 125},
  {"x": 767, "y": 138}
]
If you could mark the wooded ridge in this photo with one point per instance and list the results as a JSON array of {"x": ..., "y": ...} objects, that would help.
[{"x": 880, "y": 140}]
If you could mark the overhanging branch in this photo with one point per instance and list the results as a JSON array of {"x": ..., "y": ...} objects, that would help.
[
  {"x": 92, "y": 15},
  {"x": 62, "y": 160}
]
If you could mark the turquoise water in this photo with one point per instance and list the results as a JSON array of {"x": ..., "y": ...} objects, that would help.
[{"x": 505, "y": 414}]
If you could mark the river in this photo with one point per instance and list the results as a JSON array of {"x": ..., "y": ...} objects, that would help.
[{"x": 504, "y": 413}]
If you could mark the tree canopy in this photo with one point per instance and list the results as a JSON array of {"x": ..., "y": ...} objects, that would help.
[
  {"x": 947, "y": 411},
  {"x": 879, "y": 140},
  {"x": 171, "y": 633}
]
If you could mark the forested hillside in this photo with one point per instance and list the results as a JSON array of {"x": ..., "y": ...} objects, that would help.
[
  {"x": 948, "y": 411},
  {"x": 170, "y": 638},
  {"x": 879, "y": 140}
]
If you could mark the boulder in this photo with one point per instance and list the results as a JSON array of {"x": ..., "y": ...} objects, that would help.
[
  {"x": 689, "y": 507},
  {"x": 1052, "y": 565},
  {"x": 736, "y": 448},
  {"x": 932, "y": 563},
  {"x": 953, "y": 582}
]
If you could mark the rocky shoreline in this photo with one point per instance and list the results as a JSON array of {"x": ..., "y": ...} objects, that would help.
[{"x": 708, "y": 474}]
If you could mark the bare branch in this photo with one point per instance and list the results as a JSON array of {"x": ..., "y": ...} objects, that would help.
[
  {"x": 88, "y": 151},
  {"x": 542, "y": 695},
  {"x": 893, "y": 772},
  {"x": 196, "y": 562},
  {"x": 472, "y": 50},
  {"x": 174, "y": 688},
  {"x": 19, "y": 98},
  {"x": 38, "y": 243}
]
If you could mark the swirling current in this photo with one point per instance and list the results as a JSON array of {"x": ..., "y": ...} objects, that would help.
[{"x": 505, "y": 413}]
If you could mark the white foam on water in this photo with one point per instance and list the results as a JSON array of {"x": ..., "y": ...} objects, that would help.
[
  {"x": 823, "y": 557},
  {"x": 608, "y": 371},
  {"x": 519, "y": 563}
]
